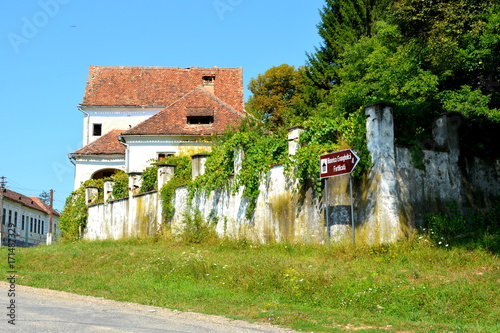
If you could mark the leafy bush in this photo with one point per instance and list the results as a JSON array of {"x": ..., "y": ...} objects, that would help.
[
  {"x": 120, "y": 185},
  {"x": 149, "y": 178},
  {"x": 196, "y": 230},
  {"x": 74, "y": 215},
  {"x": 478, "y": 230}
]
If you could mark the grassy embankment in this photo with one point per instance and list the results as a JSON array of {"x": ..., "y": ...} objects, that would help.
[{"x": 410, "y": 287}]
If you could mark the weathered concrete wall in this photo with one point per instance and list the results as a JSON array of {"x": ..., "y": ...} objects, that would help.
[
  {"x": 389, "y": 202},
  {"x": 280, "y": 214},
  {"x": 124, "y": 218},
  {"x": 107, "y": 221}
]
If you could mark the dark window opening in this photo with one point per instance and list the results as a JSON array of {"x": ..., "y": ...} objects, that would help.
[
  {"x": 97, "y": 130},
  {"x": 163, "y": 156},
  {"x": 107, "y": 174},
  {"x": 200, "y": 120},
  {"x": 208, "y": 80}
]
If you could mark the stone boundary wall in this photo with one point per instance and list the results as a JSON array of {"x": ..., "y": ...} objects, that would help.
[{"x": 389, "y": 202}]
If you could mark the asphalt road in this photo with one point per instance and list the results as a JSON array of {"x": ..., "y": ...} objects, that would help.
[{"x": 43, "y": 310}]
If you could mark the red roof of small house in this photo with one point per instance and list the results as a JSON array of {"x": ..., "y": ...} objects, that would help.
[
  {"x": 159, "y": 86},
  {"x": 173, "y": 120},
  {"x": 107, "y": 144},
  {"x": 31, "y": 202}
]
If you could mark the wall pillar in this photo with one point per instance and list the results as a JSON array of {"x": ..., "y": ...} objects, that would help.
[
  {"x": 198, "y": 164},
  {"x": 239, "y": 156},
  {"x": 91, "y": 195},
  {"x": 293, "y": 139},
  {"x": 445, "y": 134},
  {"x": 165, "y": 174},
  {"x": 134, "y": 182},
  {"x": 384, "y": 209},
  {"x": 108, "y": 190}
]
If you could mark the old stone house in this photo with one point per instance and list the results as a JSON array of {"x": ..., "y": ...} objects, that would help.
[{"x": 133, "y": 115}]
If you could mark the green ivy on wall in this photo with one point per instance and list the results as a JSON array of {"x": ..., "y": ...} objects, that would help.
[{"x": 74, "y": 215}]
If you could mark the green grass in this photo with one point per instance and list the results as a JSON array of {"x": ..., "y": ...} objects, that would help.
[{"x": 404, "y": 287}]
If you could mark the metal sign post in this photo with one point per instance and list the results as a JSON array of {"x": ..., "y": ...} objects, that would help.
[{"x": 335, "y": 164}]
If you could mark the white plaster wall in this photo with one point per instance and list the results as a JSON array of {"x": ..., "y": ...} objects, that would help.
[
  {"x": 86, "y": 167},
  {"x": 24, "y": 233},
  {"x": 124, "y": 218},
  {"x": 107, "y": 221},
  {"x": 279, "y": 214},
  {"x": 282, "y": 214},
  {"x": 113, "y": 118},
  {"x": 141, "y": 149}
]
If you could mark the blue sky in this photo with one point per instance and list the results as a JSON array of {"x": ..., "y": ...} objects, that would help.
[{"x": 47, "y": 47}]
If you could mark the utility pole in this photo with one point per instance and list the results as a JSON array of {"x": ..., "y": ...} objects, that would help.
[{"x": 49, "y": 234}]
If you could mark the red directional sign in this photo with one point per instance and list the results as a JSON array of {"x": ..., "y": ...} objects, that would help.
[{"x": 337, "y": 163}]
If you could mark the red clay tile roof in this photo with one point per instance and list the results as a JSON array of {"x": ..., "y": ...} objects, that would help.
[
  {"x": 107, "y": 144},
  {"x": 31, "y": 202},
  {"x": 158, "y": 86},
  {"x": 172, "y": 120},
  {"x": 44, "y": 206}
]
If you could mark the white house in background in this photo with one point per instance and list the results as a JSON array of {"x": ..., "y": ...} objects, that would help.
[
  {"x": 135, "y": 114},
  {"x": 29, "y": 216}
]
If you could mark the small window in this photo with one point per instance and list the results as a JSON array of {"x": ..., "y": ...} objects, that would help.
[
  {"x": 97, "y": 130},
  {"x": 200, "y": 120},
  {"x": 163, "y": 156},
  {"x": 208, "y": 80}
]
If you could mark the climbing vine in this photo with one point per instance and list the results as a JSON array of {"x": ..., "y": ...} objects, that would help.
[
  {"x": 74, "y": 215},
  {"x": 261, "y": 150},
  {"x": 182, "y": 176},
  {"x": 120, "y": 185},
  {"x": 149, "y": 178},
  {"x": 324, "y": 134}
]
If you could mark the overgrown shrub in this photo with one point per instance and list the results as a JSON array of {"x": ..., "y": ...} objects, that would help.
[
  {"x": 74, "y": 215},
  {"x": 196, "y": 230},
  {"x": 149, "y": 178},
  {"x": 477, "y": 230},
  {"x": 120, "y": 185}
]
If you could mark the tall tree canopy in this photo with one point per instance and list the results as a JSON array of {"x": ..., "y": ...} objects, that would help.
[
  {"x": 426, "y": 57},
  {"x": 276, "y": 95}
]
